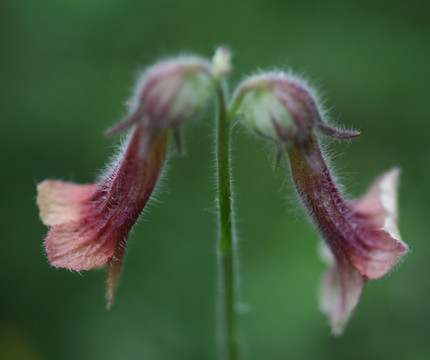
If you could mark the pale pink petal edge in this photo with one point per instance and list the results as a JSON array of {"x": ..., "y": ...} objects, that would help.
[{"x": 340, "y": 291}]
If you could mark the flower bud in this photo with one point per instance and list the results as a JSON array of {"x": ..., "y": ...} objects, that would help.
[
  {"x": 281, "y": 108},
  {"x": 169, "y": 93},
  {"x": 221, "y": 61}
]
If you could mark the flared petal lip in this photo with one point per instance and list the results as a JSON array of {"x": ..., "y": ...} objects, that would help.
[{"x": 377, "y": 212}]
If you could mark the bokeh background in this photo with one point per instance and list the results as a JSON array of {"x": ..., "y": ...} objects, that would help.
[{"x": 66, "y": 69}]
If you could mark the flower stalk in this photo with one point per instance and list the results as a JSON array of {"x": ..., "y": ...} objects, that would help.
[
  {"x": 226, "y": 248},
  {"x": 228, "y": 329}
]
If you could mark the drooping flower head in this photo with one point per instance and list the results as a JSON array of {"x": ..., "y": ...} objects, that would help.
[
  {"x": 89, "y": 224},
  {"x": 170, "y": 93},
  {"x": 281, "y": 108},
  {"x": 362, "y": 235}
]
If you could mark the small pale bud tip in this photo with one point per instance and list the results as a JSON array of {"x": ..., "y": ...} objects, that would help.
[{"x": 222, "y": 61}]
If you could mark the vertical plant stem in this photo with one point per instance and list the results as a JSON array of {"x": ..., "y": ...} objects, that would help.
[{"x": 228, "y": 331}]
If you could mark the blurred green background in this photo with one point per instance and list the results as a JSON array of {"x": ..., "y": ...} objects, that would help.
[{"x": 67, "y": 68}]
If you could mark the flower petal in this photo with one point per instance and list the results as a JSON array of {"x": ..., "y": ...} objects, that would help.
[
  {"x": 77, "y": 240},
  {"x": 377, "y": 209},
  {"x": 60, "y": 202},
  {"x": 340, "y": 292},
  {"x": 81, "y": 245}
]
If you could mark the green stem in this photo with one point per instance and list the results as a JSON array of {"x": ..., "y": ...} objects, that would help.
[{"x": 226, "y": 247}]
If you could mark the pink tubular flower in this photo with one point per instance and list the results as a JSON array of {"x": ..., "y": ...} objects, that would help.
[
  {"x": 90, "y": 223},
  {"x": 361, "y": 235}
]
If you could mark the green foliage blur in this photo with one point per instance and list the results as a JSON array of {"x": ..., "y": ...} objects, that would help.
[{"x": 66, "y": 69}]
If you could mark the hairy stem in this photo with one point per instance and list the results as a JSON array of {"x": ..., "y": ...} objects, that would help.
[{"x": 228, "y": 332}]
